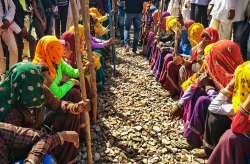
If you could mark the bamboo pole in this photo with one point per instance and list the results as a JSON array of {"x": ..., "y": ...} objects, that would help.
[
  {"x": 82, "y": 81},
  {"x": 161, "y": 7},
  {"x": 86, "y": 23},
  {"x": 113, "y": 37}
]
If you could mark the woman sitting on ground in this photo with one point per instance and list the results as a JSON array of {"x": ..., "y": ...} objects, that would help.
[
  {"x": 234, "y": 145},
  {"x": 25, "y": 103}
]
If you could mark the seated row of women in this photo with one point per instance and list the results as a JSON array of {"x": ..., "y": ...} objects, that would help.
[
  {"x": 41, "y": 109},
  {"x": 211, "y": 81}
]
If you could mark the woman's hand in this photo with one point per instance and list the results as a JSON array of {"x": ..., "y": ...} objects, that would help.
[
  {"x": 75, "y": 108},
  {"x": 76, "y": 82},
  {"x": 69, "y": 136},
  {"x": 231, "y": 14}
]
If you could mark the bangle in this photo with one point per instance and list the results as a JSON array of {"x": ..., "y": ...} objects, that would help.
[{"x": 243, "y": 110}]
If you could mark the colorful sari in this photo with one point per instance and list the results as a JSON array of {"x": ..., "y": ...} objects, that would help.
[
  {"x": 22, "y": 84},
  {"x": 194, "y": 33},
  {"x": 222, "y": 61}
]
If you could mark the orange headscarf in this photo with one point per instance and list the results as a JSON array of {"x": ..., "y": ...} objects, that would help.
[
  {"x": 222, "y": 61},
  {"x": 49, "y": 51}
]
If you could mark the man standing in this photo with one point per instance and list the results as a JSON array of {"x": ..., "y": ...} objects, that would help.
[
  {"x": 61, "y": 20},
  {"x": 199, "y": 11},
  {"x": 222, "y": 15},
  {"x": 7, "y": 26},
  {"x": 241, "y": 25},
  {"x": 133, "y": 14}
]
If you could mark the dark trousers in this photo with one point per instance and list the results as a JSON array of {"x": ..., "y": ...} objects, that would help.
[
  {"x": 20, "y": 45},
  {"x": 61, "y": 20},
  {"x": 241, "y": 32},
  {"x": 49, "y": 19},
  {"x": 199, "y": 14},
  {"x": 38, "y": 27},
  {"x": 215, "y": 126}
]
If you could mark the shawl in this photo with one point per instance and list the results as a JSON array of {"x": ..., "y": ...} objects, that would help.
[
  {"x": 172, "y": 24},
  {"x": 23, "y": 85},
  {"x": 69, "y": 38},
  {"x": 208, "y": 37},
  {"x": 194, "y": 33},
  {"x": 242, "y": 85},
  {"x": 210, "y": 34},
  {"x": 49, "y": 51},
  {"x": 222, "y": 61}
]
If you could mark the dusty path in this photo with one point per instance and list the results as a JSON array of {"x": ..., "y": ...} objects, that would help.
[{"x": 133, "y": 125}]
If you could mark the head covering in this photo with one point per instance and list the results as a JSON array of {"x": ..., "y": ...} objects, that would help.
[
  {"x": 211, "y": 35},
  {"x": 22, "y": 86},
  {"x": 146, "y": 6},
  {"x": 172, "y": 23},
  {"x": 193, "y": 79},
  {"x": 222, "y": 61},
  {"x": 49, "y": 51},
  {"x": 81, "y": 31},
  {"x": 188, "y": 23},
  {"x": 98, "y": 18},
  {"x": 94, "y": 11},
  {"x": 194, "y": 33},
  {"x": 165, "y": 14},
  {"x": 69, "y": 38},
  {"x": 242, "y": 85}
]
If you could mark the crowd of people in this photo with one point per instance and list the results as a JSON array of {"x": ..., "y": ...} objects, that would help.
[
  {"x": 197, "y": 50},
  {"x": 39, "y": 87}
]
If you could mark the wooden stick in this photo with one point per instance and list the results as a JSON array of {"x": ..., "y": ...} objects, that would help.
[
  {"x": 162, "y": 2},
  {"x": 82, "y": 81},
  {"x": 86, "y": 23},
  {"x": 113, "y": 37},
  {"x": 112, "y": 30}
]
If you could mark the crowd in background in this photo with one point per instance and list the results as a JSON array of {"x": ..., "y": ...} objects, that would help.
[{"x": 197, "y": 50}]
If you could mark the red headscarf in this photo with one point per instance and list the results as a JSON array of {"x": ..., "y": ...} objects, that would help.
[
  {"x": 211, "y": 35},
  {"x": 69, "y": 38},
  {"x": 222, "y": 61}
]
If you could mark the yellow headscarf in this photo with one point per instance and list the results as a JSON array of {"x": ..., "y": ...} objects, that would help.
[
  {"x": 49, "y": 51},
  {"x": 97, "y": 15},
  {"x": 193, "y": 79},
  {"x": 100, "y": 30},
  {"x": 242, "y": 85},
  {"x": 85, "y": 58},
  {"x": 194, "y": 33},
  {"x": 172, "y": 23},
  {"x": 81, "y": 31}
]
